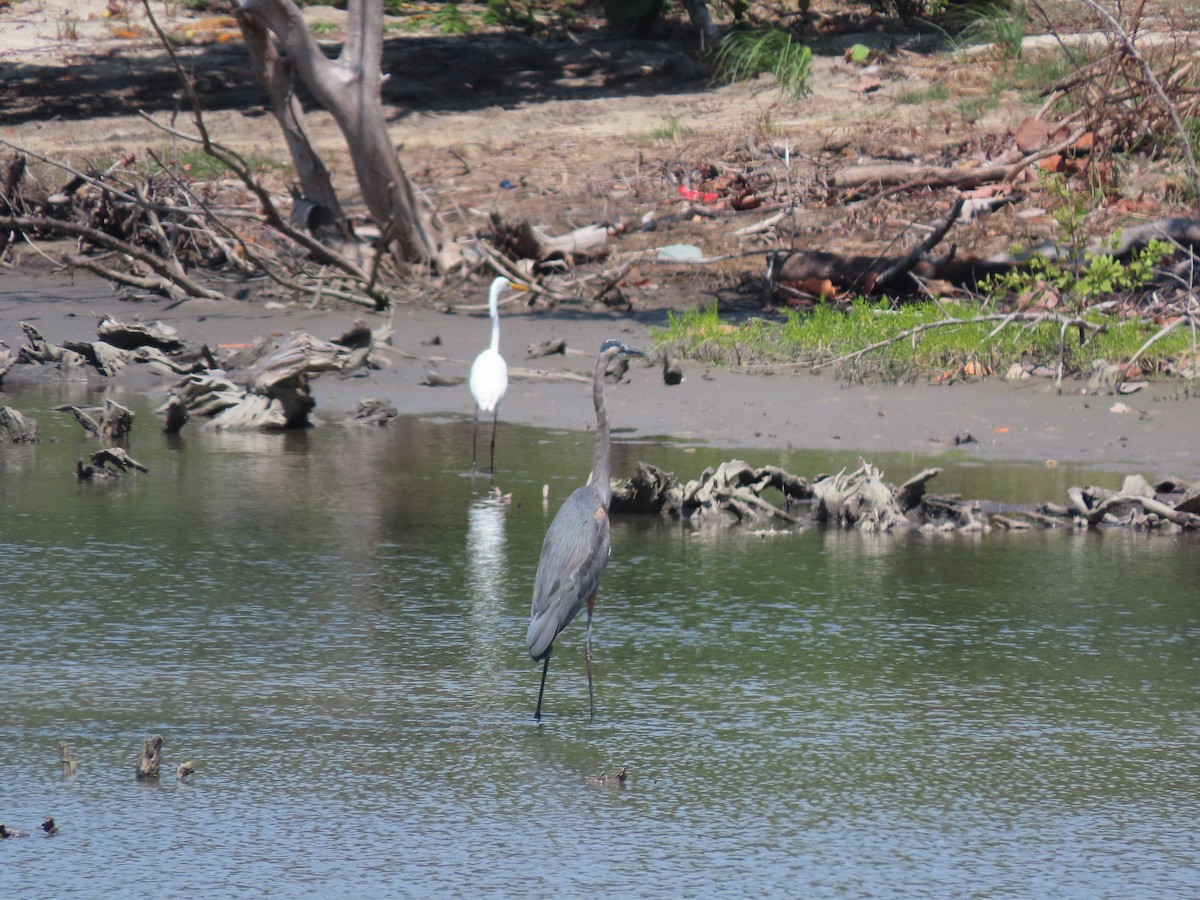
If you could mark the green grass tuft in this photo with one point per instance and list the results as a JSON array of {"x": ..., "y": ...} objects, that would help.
[
  {"x": 745, "y": 54},
  {"x": 826, "y": 333}
]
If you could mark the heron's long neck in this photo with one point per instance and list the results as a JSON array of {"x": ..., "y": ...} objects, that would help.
[
  {"x": 601, "y": 463},
  {"x": 495, "y": 328}
]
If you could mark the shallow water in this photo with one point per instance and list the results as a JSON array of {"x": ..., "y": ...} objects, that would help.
[{"x": 331, "y": 625}]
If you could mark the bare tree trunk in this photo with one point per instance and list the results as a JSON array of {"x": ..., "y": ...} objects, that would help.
[
  {"x": 275, "y": 75},
  {"x": 349, "y": 89}
]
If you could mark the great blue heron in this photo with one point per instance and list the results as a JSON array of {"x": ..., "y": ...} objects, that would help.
[
  {"x": 489, "y": 373},
  {"x": 576, "y": 547}
]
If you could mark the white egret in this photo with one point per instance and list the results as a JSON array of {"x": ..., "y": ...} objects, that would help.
[{"x": 489, "y": 373}]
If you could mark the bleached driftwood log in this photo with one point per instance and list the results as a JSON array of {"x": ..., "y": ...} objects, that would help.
[
  {"x": 111, "y": 421},
  {"x": 733, "y": 487},
  {"x": 118, "y": 345},
  {"x": 271, "y": 392},
  {"x": 17, "y": 428},
  {"x": 860, "y": 499},
  {"x": 108, "y": 463}
]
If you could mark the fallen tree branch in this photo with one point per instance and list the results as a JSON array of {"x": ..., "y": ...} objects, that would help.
[
  {"x": 919, "y": 252},
  {"x": 159, "y": 266}
]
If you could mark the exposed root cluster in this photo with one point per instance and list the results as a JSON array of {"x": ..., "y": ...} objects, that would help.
[{"x": 862, "y": 500}]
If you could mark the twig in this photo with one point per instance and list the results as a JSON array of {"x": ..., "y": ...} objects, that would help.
[
  {"x": 1160, "y": 334},
  {"x": 1189, "y": 157},
  {"x": 159, "y": 266},
  {"x": 905, "y": 265}
]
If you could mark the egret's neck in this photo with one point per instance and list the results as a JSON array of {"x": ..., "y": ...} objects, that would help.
[
  {"x": 494, "y": 312},
  {"x": 495, "y": 329},
  {"x": 601, "y": 463}
]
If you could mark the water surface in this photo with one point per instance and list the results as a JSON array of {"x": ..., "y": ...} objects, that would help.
[{"x": 331, "y": 624}]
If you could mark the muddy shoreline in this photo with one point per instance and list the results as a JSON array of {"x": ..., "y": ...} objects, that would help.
[{"x": 1158, "y": 436}]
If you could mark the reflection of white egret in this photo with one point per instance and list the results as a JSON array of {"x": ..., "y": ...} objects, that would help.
[
  {"x": 576, "y": 548},
  {"x": 485, "y": 546},
  {"x": 489, "y": 373},
  {"x": 486, "y": 574}
]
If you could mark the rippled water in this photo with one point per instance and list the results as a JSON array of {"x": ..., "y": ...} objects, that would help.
[{"x": 332, "y": 625}]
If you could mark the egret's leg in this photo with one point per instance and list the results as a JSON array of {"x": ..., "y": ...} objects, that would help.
[
  {"x": 495, "y": 416},
  {"x": 587, "y": 652},
  {"x": 537, "y": 712},
  {"x": 474, "y": 441}
]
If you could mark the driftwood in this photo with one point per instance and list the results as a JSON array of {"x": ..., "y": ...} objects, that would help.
[
  {"x": 271, "y": 392},
  {"x": 813, "y": 272},
  {"x": 798, "y": 269},
  {"x": 859, "y": 499},
  {"x": 864, "y": 501},
  {"x": 107, "y": 464},
  {"x": 522, "y": 240},
  {"x": 1136, "y": 504},
  {"x": 118, "y": 345},
  {"x": 546, "y": 348},
  {"x": 7, "y": 360},
  {"x": 111, "y": 421},
  {"x": 733, "y": 486},
  {"x": 129, "y": 337},
  {"x": 149, "y": 759},
  {"x": 17, "y": 428},
  {"x": 69, "y": 768},
  {"x": 370, "y": 411},
  {"x": 647, "y": 491}
]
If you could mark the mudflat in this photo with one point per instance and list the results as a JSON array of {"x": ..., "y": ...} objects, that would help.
[{"x": 1155, "y": 431}]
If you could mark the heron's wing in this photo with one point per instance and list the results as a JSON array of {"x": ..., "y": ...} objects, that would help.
[{"x": 574, "y": 555}]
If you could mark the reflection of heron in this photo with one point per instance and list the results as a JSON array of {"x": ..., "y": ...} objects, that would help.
[
  {"x": 576, "y": 548},
  {"x": 489, "y": 374}
]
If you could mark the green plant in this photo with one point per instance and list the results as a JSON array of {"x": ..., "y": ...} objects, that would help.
[
  {"x": 67, "y": 28},
  {"x": 1095, "y": 275},
  {"x": 901, "y": 342},
  {"x": 745, "y": 54},
  {"x": 670, "y": 130},
  {"x": 1000, "y": 24},
  {"x": 508, "y": 14},
  {"x": 974, "y": 107},
  {"x": 448, "y": 19},
  {"x": 322, "y": 29},
  {"x": 931, "y": 94},
  {"x": 199, "y": 166}
]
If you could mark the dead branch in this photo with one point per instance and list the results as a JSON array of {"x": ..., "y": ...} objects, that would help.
[
  {"x": 1181, "y": 131},
  {"x": 904, "y": 266}
]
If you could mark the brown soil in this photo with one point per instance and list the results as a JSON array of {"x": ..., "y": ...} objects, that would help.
[
  {"x": 563, "y": 129},
  {"x": 568, "y": 131}
]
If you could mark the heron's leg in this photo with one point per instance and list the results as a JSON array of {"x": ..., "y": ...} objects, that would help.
[
  {"x": 587, "y": 653},
  {"x": 537, "y": 712},
  {"x": 474, "y": 441},
  {"x": 495, "y": 416}
]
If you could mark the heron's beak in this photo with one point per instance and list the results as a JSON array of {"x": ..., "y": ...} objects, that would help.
[{"x": 631, "y": 351}]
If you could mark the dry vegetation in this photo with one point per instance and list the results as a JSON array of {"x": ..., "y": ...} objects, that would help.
[{"x": 911, "y": 173}]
